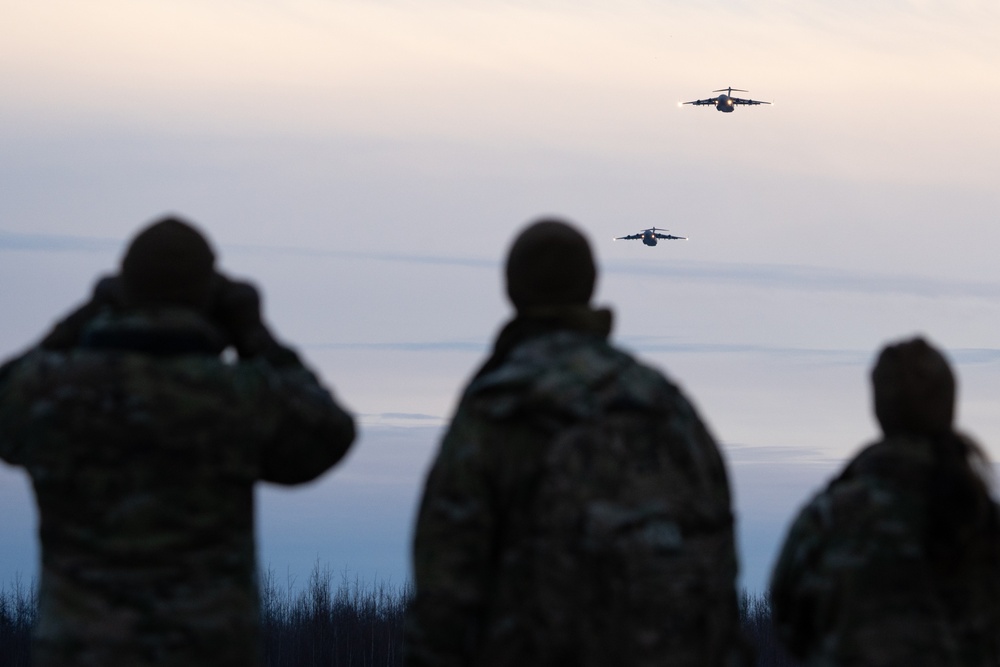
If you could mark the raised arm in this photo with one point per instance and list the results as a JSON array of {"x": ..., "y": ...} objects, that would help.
[{"x": 313, "y": 432}]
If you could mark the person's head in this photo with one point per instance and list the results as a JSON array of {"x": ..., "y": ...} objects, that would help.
[
  {"x": 914, "y": 389},
  {"x": 168, "y": 263},
  {"x": 550, "y": 264}
]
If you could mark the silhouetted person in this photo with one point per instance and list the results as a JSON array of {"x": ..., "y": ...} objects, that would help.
[
  {"x": 897, "y": 561},
  {"x": 578, "y": 511},
  {"x": 143, "y": 445}
]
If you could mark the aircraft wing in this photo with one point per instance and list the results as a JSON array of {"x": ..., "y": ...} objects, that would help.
[
  {"x": 670, "y": 237},
  {"x": 737, "y": 100},
  {"x": 711, "y": 100},
  {"x": 630, "y": 237}
]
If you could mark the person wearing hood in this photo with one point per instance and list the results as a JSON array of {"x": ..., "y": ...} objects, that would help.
[
  {"x": 143, "y": 441},
  {"x": 578, "y": 510},
  {"x": 897, "y": 561}
]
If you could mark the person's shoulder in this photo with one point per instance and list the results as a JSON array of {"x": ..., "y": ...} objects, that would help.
[
  {"x": 571, "y": 370},
  {"x": 31, "y": 365},
  {"x": 559, "y": 353},
  {"x": 878, "y": 490},
  {"x": 641, "y": 375},
  {"x": 896, "y": 460}
]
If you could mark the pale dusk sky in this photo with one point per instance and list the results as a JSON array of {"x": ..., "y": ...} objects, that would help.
[{"x": 367, "y": 164}]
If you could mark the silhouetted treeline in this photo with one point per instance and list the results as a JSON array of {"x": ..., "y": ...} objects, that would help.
[
  {"x": 352, "y": 624},
  {"x": 755, "y": 614},
  {"x": 335, "y": 622},
  {"x": 18, "y": 605}
]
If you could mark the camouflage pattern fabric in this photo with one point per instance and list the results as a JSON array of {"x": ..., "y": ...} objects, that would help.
[
  {"x": 143, "y": 466},
  {"x": 578, "y": 513},
  {"x": 854, "y": 585}
]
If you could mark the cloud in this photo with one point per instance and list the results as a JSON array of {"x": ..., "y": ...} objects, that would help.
[
  {"x": 975, "y": 356},
  {"x": 739, "y": 454},
  {"x": 14, "y": 241},
  {"x": 404, "y": 415},
  {"x": 807, "y": 278},
  {"x": 648, "y": 344},
  {"x": 399, "y": 258},
  {"x": 801, "y": 278},
  {"x": 405, "y": 346},
  {"x": 400, "y": 420}
]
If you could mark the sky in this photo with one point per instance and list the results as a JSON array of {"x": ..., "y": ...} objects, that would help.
[{"x": 367, "y": 164}]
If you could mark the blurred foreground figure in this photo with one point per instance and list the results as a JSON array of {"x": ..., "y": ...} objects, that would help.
[
  {"x": 897, "y": 561},
  {"x": 578, "y": 512},
  {"x": 143, "y": 446}
]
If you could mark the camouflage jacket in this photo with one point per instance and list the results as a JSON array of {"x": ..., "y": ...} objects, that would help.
[
  {"x": 854, "y": 586},
  {"x": 578, "y": 513},
  {"x": 143, "y": 465}
]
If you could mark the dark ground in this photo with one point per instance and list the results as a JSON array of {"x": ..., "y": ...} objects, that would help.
[{"x": 333, "y": 622}]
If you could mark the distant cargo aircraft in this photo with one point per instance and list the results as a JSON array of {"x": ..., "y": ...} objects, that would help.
[
  {"x": 726, "y": 102},
  {"x": 649, "y": 236}
]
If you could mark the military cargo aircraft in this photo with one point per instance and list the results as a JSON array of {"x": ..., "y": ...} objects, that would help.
[
  {"x": 726, "y": 102},
  {"x": 649, "y": 236}
]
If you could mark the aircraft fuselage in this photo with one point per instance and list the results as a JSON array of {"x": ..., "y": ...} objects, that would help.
[
  {"x": 648, "y": 238},
  {"x": 725, "y": 104}
]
